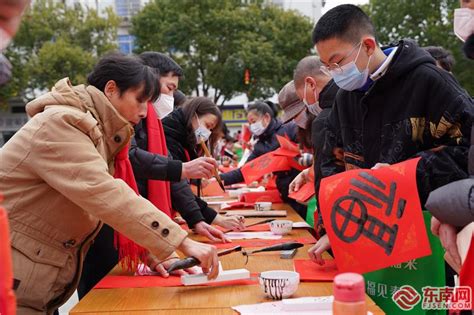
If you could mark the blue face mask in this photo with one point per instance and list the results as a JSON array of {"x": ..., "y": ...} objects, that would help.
[{"x": 348, "y": 77}]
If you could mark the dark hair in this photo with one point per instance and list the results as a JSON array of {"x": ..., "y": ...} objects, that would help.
[
  {"x": 200, "y": 106},
  {"x": 128, "y": 72},
  {"x": 309, "y": 66},
  {"x": 179, "y": 98},
  {"x": 162, "y": 63},
  {"x": 468, "y": 47},
  {"x": 347, "y": 22},
  {"x": 262, "y": 108},
  {"x": 442, "y": 56}
]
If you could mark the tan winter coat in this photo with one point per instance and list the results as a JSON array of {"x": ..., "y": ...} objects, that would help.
[{"x": 55, "y": 176}]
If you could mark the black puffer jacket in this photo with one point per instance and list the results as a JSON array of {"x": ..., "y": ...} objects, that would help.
[
  {"x": 318, "y": 129},
  {"x": 414, "y": 109},
  {"x": 147, "y": 165},
  {"x": 178, "y": 143}
]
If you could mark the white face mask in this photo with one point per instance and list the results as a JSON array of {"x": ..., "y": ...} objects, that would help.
[
  {"x": 312, "y": 108},
  {"x": 202, "y": 133},
  {"x": 350, "y": 78},
  {"x": 463, "y": 23},
  {"x": 164, "y": 105},
  {"x": 257, "y": 128},
  {"x": 5, "y": 39}
]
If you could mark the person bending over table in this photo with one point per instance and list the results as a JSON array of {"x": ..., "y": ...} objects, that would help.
[{"x": 58, "y": 188}]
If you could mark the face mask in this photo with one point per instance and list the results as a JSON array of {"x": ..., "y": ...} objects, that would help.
[
  {"x": 202, "y": 133},
  {"x": 5, "y": 39},
  {"x": 164, "y": 105},
  {"x": 301, "y": 120},
  {"x": 350, "y": 78},
  {"x": 257, "y": 128},
  {"x": 312, "y": 108},
  {"x": 463, "y": 23}
]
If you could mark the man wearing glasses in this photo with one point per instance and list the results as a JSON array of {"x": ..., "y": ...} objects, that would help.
[{"x": 394, "y": 104}]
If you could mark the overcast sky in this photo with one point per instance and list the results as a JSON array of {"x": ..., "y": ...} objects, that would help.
[{"x": 332, "y": 3}]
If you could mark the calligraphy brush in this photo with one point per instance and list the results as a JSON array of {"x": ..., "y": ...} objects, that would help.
[
  {"x": 189, "y": 262},
  {"x": 216, "y": 173},
  {"x": 279, "y": 247},
  {"x": 253, "y": 224}
]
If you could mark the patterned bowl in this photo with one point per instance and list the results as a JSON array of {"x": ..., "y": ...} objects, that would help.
[{"x": 279, "y": 284}]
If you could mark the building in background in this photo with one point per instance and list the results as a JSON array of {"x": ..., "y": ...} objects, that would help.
[{"x": 309, "y": 8}]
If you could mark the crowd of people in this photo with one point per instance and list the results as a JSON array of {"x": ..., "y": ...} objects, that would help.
[{"x": 103, "y": 167}]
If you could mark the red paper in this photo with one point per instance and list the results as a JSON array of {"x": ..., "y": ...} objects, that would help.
[
  {"x": 271, "y": 183},
  {"x": 213, "y": 189},
  {"x": 466, "y": 276},
  {"x": 262, "y": 243},
  {"x": 269, "y": 196},
  {"x": 264, "y": 164},
  {"x": 7, "y": 296},
  {"x": 311, "y": 271},
  {"x": 287, "y": 147},
  {"x": 306, "y": 191},
  {"x": 373, "y": 217},
  {"x": 238, "y": 205},
  {"x": 113, "y": 282}
]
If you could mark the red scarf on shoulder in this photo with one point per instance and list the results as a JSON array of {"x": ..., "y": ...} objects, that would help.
[{"x": 159, "y": 193}]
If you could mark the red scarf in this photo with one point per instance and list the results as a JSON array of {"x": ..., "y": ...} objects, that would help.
[{"x": 159, "y": 193}]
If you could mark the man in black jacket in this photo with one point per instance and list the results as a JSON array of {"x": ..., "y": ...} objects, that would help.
[
  {"x": 394, "y": 104},
  {"x": 318, "y": 91}
]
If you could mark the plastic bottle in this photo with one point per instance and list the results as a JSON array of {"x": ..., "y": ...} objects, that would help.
[{"x": 349, "y": 295}]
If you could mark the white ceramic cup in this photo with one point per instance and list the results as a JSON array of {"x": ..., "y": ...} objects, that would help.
[
  {"x": 279, "y": 284},
  {"x": 263, "y": 206},
  {"x": 281, "y": 227}
]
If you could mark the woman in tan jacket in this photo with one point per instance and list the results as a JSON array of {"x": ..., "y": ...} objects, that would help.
[{"x": 55, "y": 176}]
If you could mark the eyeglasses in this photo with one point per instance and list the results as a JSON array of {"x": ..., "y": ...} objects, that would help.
[{"x": 335, "y": 67}]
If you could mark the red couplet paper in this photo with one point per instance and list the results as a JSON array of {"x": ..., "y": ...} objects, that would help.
[
  {"x": 287, "y": 147},
  {"x": 258, "y": 196},
  {"x": 113, "y": 282},
  {"x": 373, "y": 218},
  {"x": 213, "y": 189},
  {"x": 264, "y": 164},
  {"x": 306, "y": 191},
  {"x": 238, "y": 205},
  {"x": 7, "y": 297},
  {"x": 311, "y": 271}
]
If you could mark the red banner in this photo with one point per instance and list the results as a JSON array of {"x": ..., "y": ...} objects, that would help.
[
  {"x": 265, "y": 164},
  {"x": 7, "y": 296},
  {"x": 373, "y": 218}
]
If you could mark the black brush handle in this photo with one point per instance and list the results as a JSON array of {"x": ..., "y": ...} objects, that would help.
[
  {"x": 187, "y": 262},
  {"x": 285, "y": 246}
]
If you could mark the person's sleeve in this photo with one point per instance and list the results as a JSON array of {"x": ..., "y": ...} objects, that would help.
[
  {"x": 208, "y": 213},
  {"x": 328, "y": 159},
  {"x": 76, "y": 170},
  {"x": 232, "y": 177},
  {"x": 147, "y": 165},
  {"x": 449, "y": 138},
  {"x": 184, "y": 201}
]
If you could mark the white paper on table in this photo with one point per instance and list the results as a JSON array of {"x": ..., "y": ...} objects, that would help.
[
  {"x": 275, "y": 307},
  {"x": 252, "y": 235},
  {"x": 301, "y": 224}
]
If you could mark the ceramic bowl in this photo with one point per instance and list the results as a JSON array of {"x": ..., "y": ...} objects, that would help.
[
  {"x": 279, "y": 284},
  {"x": 263, "y": 206},
  {"x": 281, "y": 227}
]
